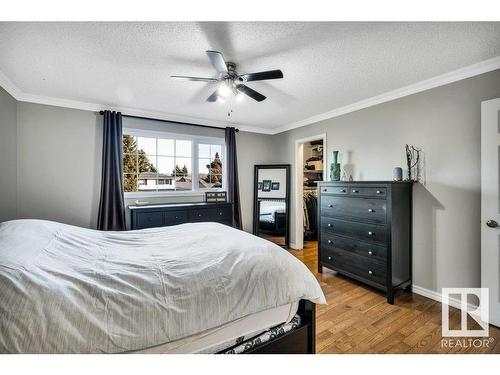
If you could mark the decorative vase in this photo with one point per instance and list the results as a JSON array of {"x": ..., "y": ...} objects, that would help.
[
  {"x": 335, "y": 167},
  {"x": 397, "y": 174}
]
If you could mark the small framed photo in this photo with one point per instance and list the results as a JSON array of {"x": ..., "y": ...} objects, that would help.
[
  {"x": 275, "y": 186},
  {"x": 259, "y": 185},
  {"x": 266, "y": 185},
  {"x": 215, "y": 196}
]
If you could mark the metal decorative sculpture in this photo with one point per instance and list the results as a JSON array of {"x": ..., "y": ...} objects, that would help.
[{"x": 412, "y": 160}]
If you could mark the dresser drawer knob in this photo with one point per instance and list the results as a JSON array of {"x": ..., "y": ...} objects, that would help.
[
  {"x": 177, "y": 217},
  {"x": 330, "y": 241},
  {"x": 370, "y": 210},
  {"x": 370, "y": 272},
  {"x": 370, "y": 253},
  {"x": 379, "y": 192},
  {"x": 329, "y": 258},
  {"x": 325, "y": 190},
  {"x": 354, "y": 191},
  {"x": 220, "y": 214},
  {"x": 330, "y": 205},
  {"x": 199, "y": 215},
  {"x": 330, "y": 225},
  {"x": 342, "y": 190},
  {"x": 371, "y": 233}
]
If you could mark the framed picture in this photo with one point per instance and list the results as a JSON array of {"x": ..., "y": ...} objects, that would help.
[
  {"x": 215, "y": 196},
  {"x": 275, "y": 186},
  {"x": 266, "y": 185},
  {"x": 259, "y": 185}
]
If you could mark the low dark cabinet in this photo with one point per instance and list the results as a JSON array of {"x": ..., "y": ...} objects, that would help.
[
  {"x": 365, "y": 232},
  {"x": 164, "y": 215}
]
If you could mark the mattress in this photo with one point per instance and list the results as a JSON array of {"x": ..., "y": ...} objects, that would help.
[
  {"x": 267, "y": 219},
  {"x": 227, "y": 335},
  {"x": 272, "y": 207}
]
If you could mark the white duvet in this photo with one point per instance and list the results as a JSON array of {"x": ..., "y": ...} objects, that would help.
[{"x": 65, "y": 289}]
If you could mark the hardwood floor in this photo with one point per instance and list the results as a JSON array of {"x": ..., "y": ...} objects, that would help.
[{"x": 358, "y": 319}]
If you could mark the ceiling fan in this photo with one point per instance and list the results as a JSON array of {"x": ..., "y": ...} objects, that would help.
[{"x": 230, "y": 80}]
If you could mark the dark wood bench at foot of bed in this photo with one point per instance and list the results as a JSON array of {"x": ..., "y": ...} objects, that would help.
[{"x": 300, "y": 340}]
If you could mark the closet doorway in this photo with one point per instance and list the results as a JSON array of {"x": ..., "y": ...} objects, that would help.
[{"x": 310, "y": 167}]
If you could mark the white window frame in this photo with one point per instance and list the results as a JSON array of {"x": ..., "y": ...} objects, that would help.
[{"x": 195, "y": 140}]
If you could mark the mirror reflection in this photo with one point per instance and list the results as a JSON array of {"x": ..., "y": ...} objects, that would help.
[{"x": 271, "y": 218}]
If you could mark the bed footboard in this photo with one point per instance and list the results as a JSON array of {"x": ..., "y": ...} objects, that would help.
[{"x": 300, "y": 340}]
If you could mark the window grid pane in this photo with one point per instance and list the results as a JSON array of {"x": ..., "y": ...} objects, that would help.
[{"x": 166, "y": 164}]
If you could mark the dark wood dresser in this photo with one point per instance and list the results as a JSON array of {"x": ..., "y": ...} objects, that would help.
[
  {"x": 163, "y": 215},
  {"x": 365, "y": 232}
]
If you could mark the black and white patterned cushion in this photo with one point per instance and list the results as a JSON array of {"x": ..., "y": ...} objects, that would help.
[{"x": 270, "y": 334}]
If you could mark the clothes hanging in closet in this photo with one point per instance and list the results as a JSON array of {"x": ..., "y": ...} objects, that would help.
[{"x": 310, "y": 212}]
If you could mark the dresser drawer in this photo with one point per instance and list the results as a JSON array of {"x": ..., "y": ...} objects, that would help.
[
  {"x": 365, "y": 249},
  {"x": 361, "y": 231},
  {"x": 176, "y": 217},
  {"x": 364, "y": 209},
  {"x": 205, "y": 214},
  {"x": 340, "y": 190},
  {"x": 368, "y": 191},
  {"x": 365, "y": 268},
  {"x": 149, "y": 220},
  {"x": 224, "y": 214}
]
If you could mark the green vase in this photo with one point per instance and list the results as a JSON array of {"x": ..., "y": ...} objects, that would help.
[{"x": 335, "y": 167}]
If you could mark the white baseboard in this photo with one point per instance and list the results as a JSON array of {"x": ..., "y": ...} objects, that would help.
[
  {"x": 293, "y": 245},
  {"x": 436, "y": 296}
]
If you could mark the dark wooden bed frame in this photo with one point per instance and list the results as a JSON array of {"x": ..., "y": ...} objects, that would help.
[{"x": 300, "y": 340}]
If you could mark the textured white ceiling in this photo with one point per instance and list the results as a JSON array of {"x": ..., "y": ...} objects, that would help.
[{"x": 326, "y": 65}]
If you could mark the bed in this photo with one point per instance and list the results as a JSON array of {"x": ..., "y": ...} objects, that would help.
[
  {"x": 272, "y": 216},
  {"x": 190, "y": 288}
]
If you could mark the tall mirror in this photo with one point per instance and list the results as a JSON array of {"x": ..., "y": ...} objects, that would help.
[{"x": 271, "y": 218}]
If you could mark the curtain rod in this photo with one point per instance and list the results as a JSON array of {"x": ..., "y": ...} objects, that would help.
[{"x": 174, "y": 122}]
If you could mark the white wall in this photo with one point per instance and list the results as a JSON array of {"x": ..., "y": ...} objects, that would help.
[
  {"x": 445, "y": 122},
  {"x": 8, "y": 156}
]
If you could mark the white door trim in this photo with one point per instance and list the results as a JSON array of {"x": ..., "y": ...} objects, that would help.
[
  {"x": 489, "y": 205},
  {"x": 299, "y": 186}
]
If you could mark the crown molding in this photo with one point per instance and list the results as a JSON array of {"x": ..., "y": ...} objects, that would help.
[
  {"x": 9, "y": 86},
  {"x": 441, "y": 80},
  {"x": 20, "y": 96}
]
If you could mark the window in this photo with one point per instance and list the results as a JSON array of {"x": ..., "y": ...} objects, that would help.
[
  {"x": 209, "y": 166},
  {"x": 164, "y": 163}
]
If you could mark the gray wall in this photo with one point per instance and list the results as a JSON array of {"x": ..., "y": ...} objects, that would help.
[
  {"x": 8, "y": 156},
  {"x": 446, "y": 123},
  {"x": 59, "y": 158},
  {"x": 252, "y": 149}
]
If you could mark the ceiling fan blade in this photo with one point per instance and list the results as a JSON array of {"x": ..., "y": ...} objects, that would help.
[
  {"x": 261, "y": 76},
  {"x": 217, "y": 61},
  {"x": 251, "y": 93},
  {"x": 213, "y": 98},
  {"x": 188, "y": 78}
]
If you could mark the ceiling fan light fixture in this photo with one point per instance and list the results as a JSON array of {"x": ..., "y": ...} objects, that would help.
[
  {"x": 240, "y": 97},
  {"x": 224, "y": 91},
  {"x": 230, "y": 81}
]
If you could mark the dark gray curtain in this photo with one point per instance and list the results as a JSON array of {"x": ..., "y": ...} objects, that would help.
[
  {"x": 233, "y": 190},
  {"x": 112, "y": 204}
]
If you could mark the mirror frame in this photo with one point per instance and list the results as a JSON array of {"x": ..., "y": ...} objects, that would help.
[{"x": 287, "y": 168}]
